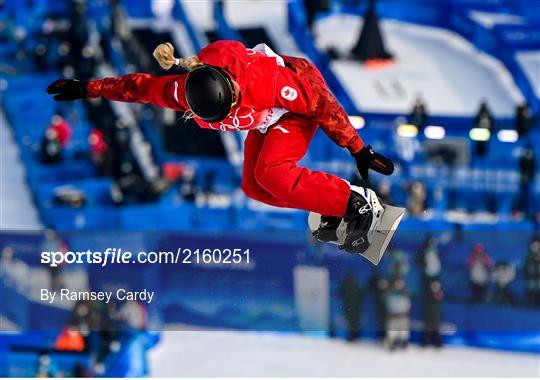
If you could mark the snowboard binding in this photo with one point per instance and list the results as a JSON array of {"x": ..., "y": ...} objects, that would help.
[{"x": 366, "y": 229}]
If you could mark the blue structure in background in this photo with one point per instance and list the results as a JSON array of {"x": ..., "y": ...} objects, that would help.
[
  {"x": 502, "y": 41},
  {"x": 261, "y": 296}
]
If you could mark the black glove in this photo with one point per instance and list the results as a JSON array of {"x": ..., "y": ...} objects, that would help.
[
  {"x": 68, "y": 89},
  {"x": 367, "y": 159}
]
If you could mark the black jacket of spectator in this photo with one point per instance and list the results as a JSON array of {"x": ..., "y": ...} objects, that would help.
[
  {"x": 351, "y": 293},
  {"x": 524, "y": 119},
  {"x": 527, "y": 165},
  {"x": 532, "y": 273}
]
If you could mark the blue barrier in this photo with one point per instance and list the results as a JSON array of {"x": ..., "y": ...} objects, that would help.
[
  {"x": 492, "y": 43},
  {"x": 20, "y": 352},
  {"x": 260, "y": 294}
]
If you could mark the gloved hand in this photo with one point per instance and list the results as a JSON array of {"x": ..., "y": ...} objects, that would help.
[
  {"x": 367, "y": 159},
  {"x": 68, "y": 89}
]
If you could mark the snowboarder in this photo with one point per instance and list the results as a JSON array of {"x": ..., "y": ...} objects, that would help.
[{"x": 281, "y": 100}]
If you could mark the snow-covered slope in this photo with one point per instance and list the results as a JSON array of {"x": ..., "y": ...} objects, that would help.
[
  {"x": 530, "y": 62},
  {"x": 450, "y": 74},
  {"x": 17, "y": 211},
  {"x": 243, "y": 354},
  {"x": 270, "y": 14}
]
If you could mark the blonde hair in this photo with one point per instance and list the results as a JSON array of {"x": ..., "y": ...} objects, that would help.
[{"x": 164, "y": 54}]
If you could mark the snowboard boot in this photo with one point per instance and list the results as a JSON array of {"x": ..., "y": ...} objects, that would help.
[
  {"x": 363, "y": 215},
  {"x": 327, "y": 231}
]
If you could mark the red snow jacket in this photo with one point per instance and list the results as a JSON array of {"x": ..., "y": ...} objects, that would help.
[{"x": 268, "y": 91}]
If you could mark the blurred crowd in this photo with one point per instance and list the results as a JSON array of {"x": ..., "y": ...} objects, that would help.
[
  {"x": 79, "y": 48},
  {"x": 490, "y": 283},
  {"x": 97, "y": 330},
  {"x": 83, "y": 49},
  {"x": 94, "y": 328},
  {"x": 407, "y": 147}
]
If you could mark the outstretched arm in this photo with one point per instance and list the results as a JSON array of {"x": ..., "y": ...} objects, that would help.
[{"x": 165, "y": 91}]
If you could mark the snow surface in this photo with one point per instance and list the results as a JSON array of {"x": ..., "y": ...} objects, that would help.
[
  {"x": 530, "y": 62},
  {"x": 270, "y": 14},
  {"x": 249, "y": 354},
  {"x": 450, "y": 74},
  {"x": 200, "y": 14},
  {"x": 17, "y": 210}
]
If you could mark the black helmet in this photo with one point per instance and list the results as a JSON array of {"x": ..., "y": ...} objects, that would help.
[{"x": 209, "y": 93}]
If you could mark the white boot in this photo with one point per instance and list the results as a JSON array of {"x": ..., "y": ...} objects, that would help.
[{"x": 363, "y": 217}]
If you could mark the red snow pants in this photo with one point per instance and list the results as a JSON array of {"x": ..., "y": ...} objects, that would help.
[{"x": 271, "y": 174}]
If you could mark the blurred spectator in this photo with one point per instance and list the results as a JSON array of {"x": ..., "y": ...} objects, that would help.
[
  {"x": 124, "y": 161},
  {"x": 480, "y": 265},
  {"x": 69, "y": 339},
  {"x": 209, "y": 183},
  {"x": 188, "y": 189},
  {"x": 524, "y": 119},
  {"x": 40, "y": 57},
  {"x": 133, "y": 188},
  {"x": 64, "y": 56},
  {"x": 351, "y": 293},
  {"x": 81, "y": 371},
  {"x": 109, "y": 329},
  {"x": 312, "y": 7},
  {"x": 379, "y": 286},
  {"x": 88, "y": 62},
  {"x": 134, "y": 315},
  {"x": 45, "y": 367},
  {"x": 99, "y": 152},
  {"x": 484, "y": 119},
  {"x": 398, "y": 306},
  {"x": 503, "y": 275},
  {"x": 78, "y": 32},
  {"x": 53, "y": 243},
  {"x": 432, "y": 297},
  {"x": 130, "y": 184},
  {"x": 532, "y": 273},
  {"x": 384, "y": 192},
  {"x": 419, "y": 116},
  {"x": 97, "y": 323},
  {"x": 81, "y": 315},
  {"x": 133, "y": 184},
  {"x": 398, "y": 263},
  {"x": 405, "y": 146},
  {"x": 62, "y": 128},
  {"x": 429, "y": 260},
  {"x": 430, "y": 266},
  {"x": 14, "y": 272},
  {"x": 527, "y": 169},
  {"x": 416, "y": 198},
  {"x": 51, "y": 148}
]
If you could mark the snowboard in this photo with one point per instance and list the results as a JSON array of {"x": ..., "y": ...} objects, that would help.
[{"x": 381, "y": 238}]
